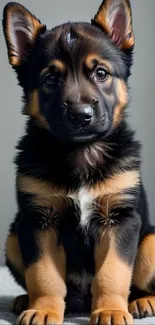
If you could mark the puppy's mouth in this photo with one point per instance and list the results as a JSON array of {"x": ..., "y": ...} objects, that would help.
[
  {"x": 80, "y": 138},
  {"x": 81, "y": 135}
]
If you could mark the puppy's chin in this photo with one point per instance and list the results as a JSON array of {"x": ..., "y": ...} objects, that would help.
[
  {"x": 82, "y": 138},
  {"x": 78, "y": 138}
]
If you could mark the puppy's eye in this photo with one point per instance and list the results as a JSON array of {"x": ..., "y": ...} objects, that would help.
[
  {"x": 52, "y": 79},
  {"x": 101, "y": 74}
]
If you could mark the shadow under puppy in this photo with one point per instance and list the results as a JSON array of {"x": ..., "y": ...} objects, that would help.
[{"x": 82, "y": 223}]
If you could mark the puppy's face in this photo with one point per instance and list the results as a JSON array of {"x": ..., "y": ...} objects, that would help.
[{"x": 73, "y": 76}]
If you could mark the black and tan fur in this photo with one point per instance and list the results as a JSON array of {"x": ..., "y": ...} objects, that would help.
[{"x": 81, "y": 239}]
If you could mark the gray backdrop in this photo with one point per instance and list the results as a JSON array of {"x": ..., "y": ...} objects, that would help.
[{"x": 141, "y": 111}]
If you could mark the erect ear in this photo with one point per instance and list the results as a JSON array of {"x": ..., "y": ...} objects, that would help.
[
  {"x": 21, "y": 28},
  {"x": 115, "y": 18}
]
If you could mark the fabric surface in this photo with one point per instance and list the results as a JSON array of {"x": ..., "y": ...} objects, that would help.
[{"x": 9, "y": 289}]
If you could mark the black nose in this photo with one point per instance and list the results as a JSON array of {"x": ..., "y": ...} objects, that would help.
[{"x": 81, "y": 115}]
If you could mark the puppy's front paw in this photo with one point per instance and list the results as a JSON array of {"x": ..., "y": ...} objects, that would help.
[
  {"x": 143, "y": 307},
  {"x": 39, "y": 317},
  {"x": 111, "y": 317}
]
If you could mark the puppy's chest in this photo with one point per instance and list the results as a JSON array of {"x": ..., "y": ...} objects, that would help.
[
  {"x": 101, "y": 198},
  {"x": 93, "y": 205},
  {"x": 85, "y": 201}
]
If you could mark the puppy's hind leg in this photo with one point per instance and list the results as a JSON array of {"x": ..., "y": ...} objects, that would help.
[
  {"x": 143, "y": 305},
  {"x": 16, "y": 267}
]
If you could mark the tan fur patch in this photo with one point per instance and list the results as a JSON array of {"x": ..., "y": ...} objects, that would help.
[
  {"x": 32, "y": 185},
  {"x": 33, "y": 105},
  {"x": 110, "y": 287},
  {"x": 144, "y": 270},
  {"x": 116, "y": 184},
  {"x": 46, "y": 277},
  {"x": 33, "y": 110},
  {"x": 122, "y": 102},
  {"x": 46, "y": 194},
  {"x": 58, "y": 64},
  {"x": 89, "y": 61},
  {"x": 13, "y": 253}
]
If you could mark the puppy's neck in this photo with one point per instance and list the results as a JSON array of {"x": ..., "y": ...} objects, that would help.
[{"x": 89, "y": 156}]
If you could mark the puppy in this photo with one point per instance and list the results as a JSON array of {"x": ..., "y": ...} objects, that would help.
[{"x": 82, "y": 229}]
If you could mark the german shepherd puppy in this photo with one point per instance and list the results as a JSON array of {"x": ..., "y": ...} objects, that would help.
[{"x": 82, "y": 236}]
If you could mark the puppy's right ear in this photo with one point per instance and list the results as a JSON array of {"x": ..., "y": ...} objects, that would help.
[
  {"x": 114, "y": 17},
  {"x": 21, "y": 29}
]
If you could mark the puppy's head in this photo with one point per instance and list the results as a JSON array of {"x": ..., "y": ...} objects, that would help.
[{"x": 74, "y": 77}]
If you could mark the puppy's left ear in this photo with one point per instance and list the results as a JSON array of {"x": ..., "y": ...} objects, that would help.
[
  {"x": 115, "y": 18},
  {"x": 21, "y": 29}
]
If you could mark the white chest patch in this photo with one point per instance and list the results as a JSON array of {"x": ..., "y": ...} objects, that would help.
[{"x": 85, "y": 202}]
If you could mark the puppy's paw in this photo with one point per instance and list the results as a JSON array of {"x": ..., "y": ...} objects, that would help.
[
  {"x": 111, "y": 317},
  {"x": 39, "y": 317},
  {"x": 143, "y": 307}
]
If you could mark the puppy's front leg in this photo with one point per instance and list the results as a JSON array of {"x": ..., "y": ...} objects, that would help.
[
  {"x": 114, "y": 257},
  {"x": 45, "y": 270}
]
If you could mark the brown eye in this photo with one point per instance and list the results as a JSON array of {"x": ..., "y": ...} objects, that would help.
[
  {"x": 101, "y": 74},
  {"x": 52, "y": 79}
]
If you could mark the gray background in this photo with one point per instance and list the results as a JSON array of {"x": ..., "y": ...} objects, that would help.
[{"x": 141, "y": 111}]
